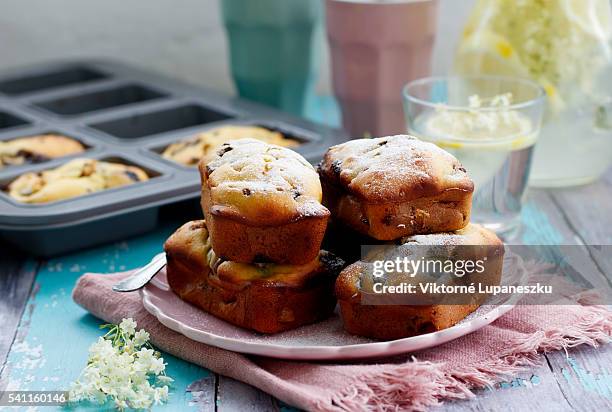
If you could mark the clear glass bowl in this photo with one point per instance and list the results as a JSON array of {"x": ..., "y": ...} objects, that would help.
[{"x": 489, "y": 123}]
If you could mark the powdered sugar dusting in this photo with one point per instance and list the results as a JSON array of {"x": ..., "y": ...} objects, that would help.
[
  {"x": 255, "y": 178},
  {"x": 472, "y": 234},
  {"x": 392, "y": 168}
]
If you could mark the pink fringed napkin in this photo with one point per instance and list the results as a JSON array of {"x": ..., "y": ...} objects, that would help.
[{"x": 414, "y": 381}]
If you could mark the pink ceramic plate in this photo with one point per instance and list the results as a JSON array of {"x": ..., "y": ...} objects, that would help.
[{"x": 324, "y": 340}]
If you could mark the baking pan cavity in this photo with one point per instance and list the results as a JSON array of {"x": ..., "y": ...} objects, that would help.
[
  {"x": 49, "y": 80},
  {"x": 8, "y": 120},
  {"x": 100, "y": 100},
  {"x": 152, "y": 123},
  {"x": 29, "y": 155}
]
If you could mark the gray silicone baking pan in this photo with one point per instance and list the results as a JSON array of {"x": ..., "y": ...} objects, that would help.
[{"x": 121, "y": 114}]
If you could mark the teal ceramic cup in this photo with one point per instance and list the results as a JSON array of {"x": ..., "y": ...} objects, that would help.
[{"x": 272, "y": 49}]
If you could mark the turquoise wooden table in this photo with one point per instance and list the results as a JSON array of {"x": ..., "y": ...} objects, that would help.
[{"x": 44, "y": 335}]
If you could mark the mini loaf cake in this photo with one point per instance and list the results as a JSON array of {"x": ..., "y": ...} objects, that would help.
[
  {"x": 389, "y": 322},
  {"x": 190, "y": 151},
  {"x": 36, "y": 149},
  {"x": 75, "y": 178},
  {"x": 262, "y": 204},
  {"x": 395, "y": 186},
  {"x": 267, "y": 298}
]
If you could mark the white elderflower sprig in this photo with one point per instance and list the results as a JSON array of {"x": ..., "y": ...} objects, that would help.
[{"x": 123, "y": 368}]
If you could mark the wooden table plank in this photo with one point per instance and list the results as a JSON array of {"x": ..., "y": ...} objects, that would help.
[
  {"x": 584, "y": 376},
  {"x": 16, "y": 278},
  {"x": 203, "y": 393},
  {"x": 586, "y": 209},
  {"x": 233, "y": 395},
  {"x": 537, "y": 389},
  {"x": 545, "y": 227}
]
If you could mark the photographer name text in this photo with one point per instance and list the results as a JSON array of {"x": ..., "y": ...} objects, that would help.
[{"x": 435, "y": 288}]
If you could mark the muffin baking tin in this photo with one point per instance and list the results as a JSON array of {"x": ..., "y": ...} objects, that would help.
[{"x": 123, "y": 114}]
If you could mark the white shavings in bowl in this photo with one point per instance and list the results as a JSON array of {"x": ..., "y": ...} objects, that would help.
[{"x": 483, "y": 118}]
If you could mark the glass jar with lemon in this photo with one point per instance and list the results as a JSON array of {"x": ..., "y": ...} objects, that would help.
[{"x": 565, "y": 46}]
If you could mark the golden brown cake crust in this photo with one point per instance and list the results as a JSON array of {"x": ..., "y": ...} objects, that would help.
[
  {"x": 190, "y": 151},
  {"x": 395, "y": 186},
  {"x": 389, "y": 322},
  {"x": 284, "y": 299},
  {"x": 36, "y": 149},
  {"x": 262, "y": 204},
  {"x": 393, "y": 169},
  {"x": 75, "y": 178},
  {"x": 471, "y": 235}
]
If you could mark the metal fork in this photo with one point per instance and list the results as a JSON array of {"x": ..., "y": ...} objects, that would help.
[{"x": 143, "y": 275}]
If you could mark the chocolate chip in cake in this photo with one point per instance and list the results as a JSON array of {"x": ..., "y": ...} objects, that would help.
[
  {"x": 246, "y": 191},
  {"x": 88, "y": 169},
  {"x": 384, "y": 142},
  {"x": 133, "y": 176},
  {"x": 296, "y": 193},
  {"x": 197, "y": 225},
  {"x": 32, "y": 157},
  {"x": 224, "y": 149},
  {"x": 336, "y": 166},
  {"x": 426, "y": 327},
  {"x": 386, "y": 220},
  {"x": 331, "y": 262},
  {"x": 450, "y": 204}
]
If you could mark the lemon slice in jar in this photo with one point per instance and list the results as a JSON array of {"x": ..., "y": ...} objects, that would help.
[
  {"x": 486, "y": 52},
  {"x": 592, "y": 16}
]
